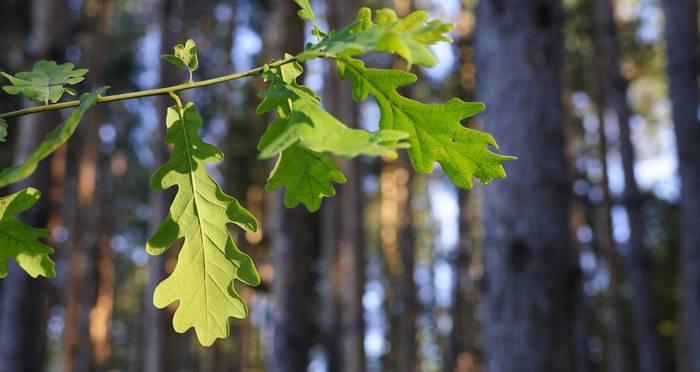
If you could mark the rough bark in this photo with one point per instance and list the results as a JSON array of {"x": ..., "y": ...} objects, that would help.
[
  {"x": 161, "y": 343},
  {"x": 294, "y": 236},
  {"x": 682, "y": 46},
  {"x": 24, "y": 302},
  {"x": 614, "y": 97},
  {"x": 530, "y": 276},
  {"x": 342, "y": 231}
]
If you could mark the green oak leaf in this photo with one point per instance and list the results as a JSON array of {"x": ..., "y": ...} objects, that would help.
[
  {"x": 306, "y": 175},
  {"x": 307, "y": 14},
  {"x": 184, "y": 56},
  {"x": 52, "y": 141},
  {"x": 3, "y": 130},
  {"x": 209, "y": 261},
  {"x": 408, "y": 37},
  {"x": 21, "y": 242},
  {"x": 435, "y": 130},
  {"x": 303, "y": 120},
  {"x": 46, "y": 82}
]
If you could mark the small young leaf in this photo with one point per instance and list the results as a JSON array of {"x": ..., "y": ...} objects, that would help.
[
  {"x": 303, "y": 120},
  {"x": 19, "y": 241},
  {"x": 307, "y": 14},
  {"x": 53, "y": 141},
  {"x": 408, "y": 37},
  {"x": 209, "y": 261},
  {"x": 184, "y": 56},
  {"x": 3, "y": 130},
  {"x": 46, "y": 82},
  {"x": 435, "y": 130}
]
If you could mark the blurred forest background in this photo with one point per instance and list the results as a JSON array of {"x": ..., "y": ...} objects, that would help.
[{"x": 586, "y": 258}]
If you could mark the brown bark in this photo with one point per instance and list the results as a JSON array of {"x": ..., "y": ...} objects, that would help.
[
  {"x": 682, "y": 46},
  {"x": 614, "y": 96},
  {"x": 294, "y": 234},
  {"x": 342, "y": 231},
  {"x": 24, "y": 301},
  {"x": 530, "y": 269},
  {"x": 162, "y": 349}
]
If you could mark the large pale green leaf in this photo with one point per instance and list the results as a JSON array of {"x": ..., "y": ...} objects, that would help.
[
  {"x": 46, "y": 82},
  {"x": 435, "y": 130},
  {"x": 51, "y": 143},
  {"x": 209, "y": 261},
  {"x": 21, "y": 242},
  {"x": 304, "y": 121},
  {"x": 408, "y": 37}
]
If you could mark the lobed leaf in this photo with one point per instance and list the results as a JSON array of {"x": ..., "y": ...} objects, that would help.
[
  {"x": 303, "y": 120},
  {"x": 209, "y": 261},
  {"x": 52, "y": 141},
  {"x": 21, "y": 242},
  {"x": 435, "y": 130},
  {"x": 46, "y": 82},
  {"x": 408, "y": 37}
]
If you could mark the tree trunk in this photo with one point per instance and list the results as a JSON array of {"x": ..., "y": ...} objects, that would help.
[
  {"x": 161, "y": 343},
  {"x": 342, "y": 231},
  {"x": 24, "y": 302},
  {"x": 294, "y": 236},
  {"x": 682, "y": 44},
  {"x": 614, "y": 96},
  {"x": 530, "y": 270}
]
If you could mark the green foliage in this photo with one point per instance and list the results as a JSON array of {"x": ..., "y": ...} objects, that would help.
[
  {"x": 184, "y": 56},
  {"x": 303, "y": 136},
  {"x": 3, "y": 130},
  {"x": 307, "y": 13},
  {"x": 46, "y": 82},
  {"x": 407, "y": 37},
  {"x": 303, "y": 120},
  {"x": 51, "y": 143},
  {"x": 435, "y": 132},
  {"x": 21, "y": 242},
  {"x": 209, "y": 260}
]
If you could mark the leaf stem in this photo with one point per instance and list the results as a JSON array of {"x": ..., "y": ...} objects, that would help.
[{"x": 151, "y": 92}]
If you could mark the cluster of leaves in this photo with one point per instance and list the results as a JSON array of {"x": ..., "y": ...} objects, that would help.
[{"x": 303, "y": 137}]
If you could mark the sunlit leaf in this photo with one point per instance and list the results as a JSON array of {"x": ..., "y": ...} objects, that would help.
[
  {"x": 46, "y": 82},
  {"x": 209, "y": 261},
  {"x": 21, "y": 242},
  {"x": 51, "y": 143},
  {"x": 435, "y": 130}
]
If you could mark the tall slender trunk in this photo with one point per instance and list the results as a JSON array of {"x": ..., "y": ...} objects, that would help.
[
  {"x": 530, "y": 270},
  {"x": 614, "y": 97},
  {"x": 682, "y": 44},
  {"x": 89, "y": 294},
  {"x": 24, "y": 302},
  {"x": 342, "y": 232},
  {"x": 160, "y": 342},
  {"x": 614, "y": 328},
  {"x": 295, "y": 238}
]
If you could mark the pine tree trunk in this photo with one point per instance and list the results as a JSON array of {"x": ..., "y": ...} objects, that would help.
[
  {"x": 161, "y": 344},
  {"x": 294, "y": 235},
  {"x": 682, "y": 44},
  {"x": 342, "y": 231},
  {"x": 530, "y": 270},
  {"x": 24, "y": 301},
  {"x": 614, "y": 97}
]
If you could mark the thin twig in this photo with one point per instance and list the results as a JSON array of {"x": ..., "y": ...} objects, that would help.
[{"x": 150, "y": 92}]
